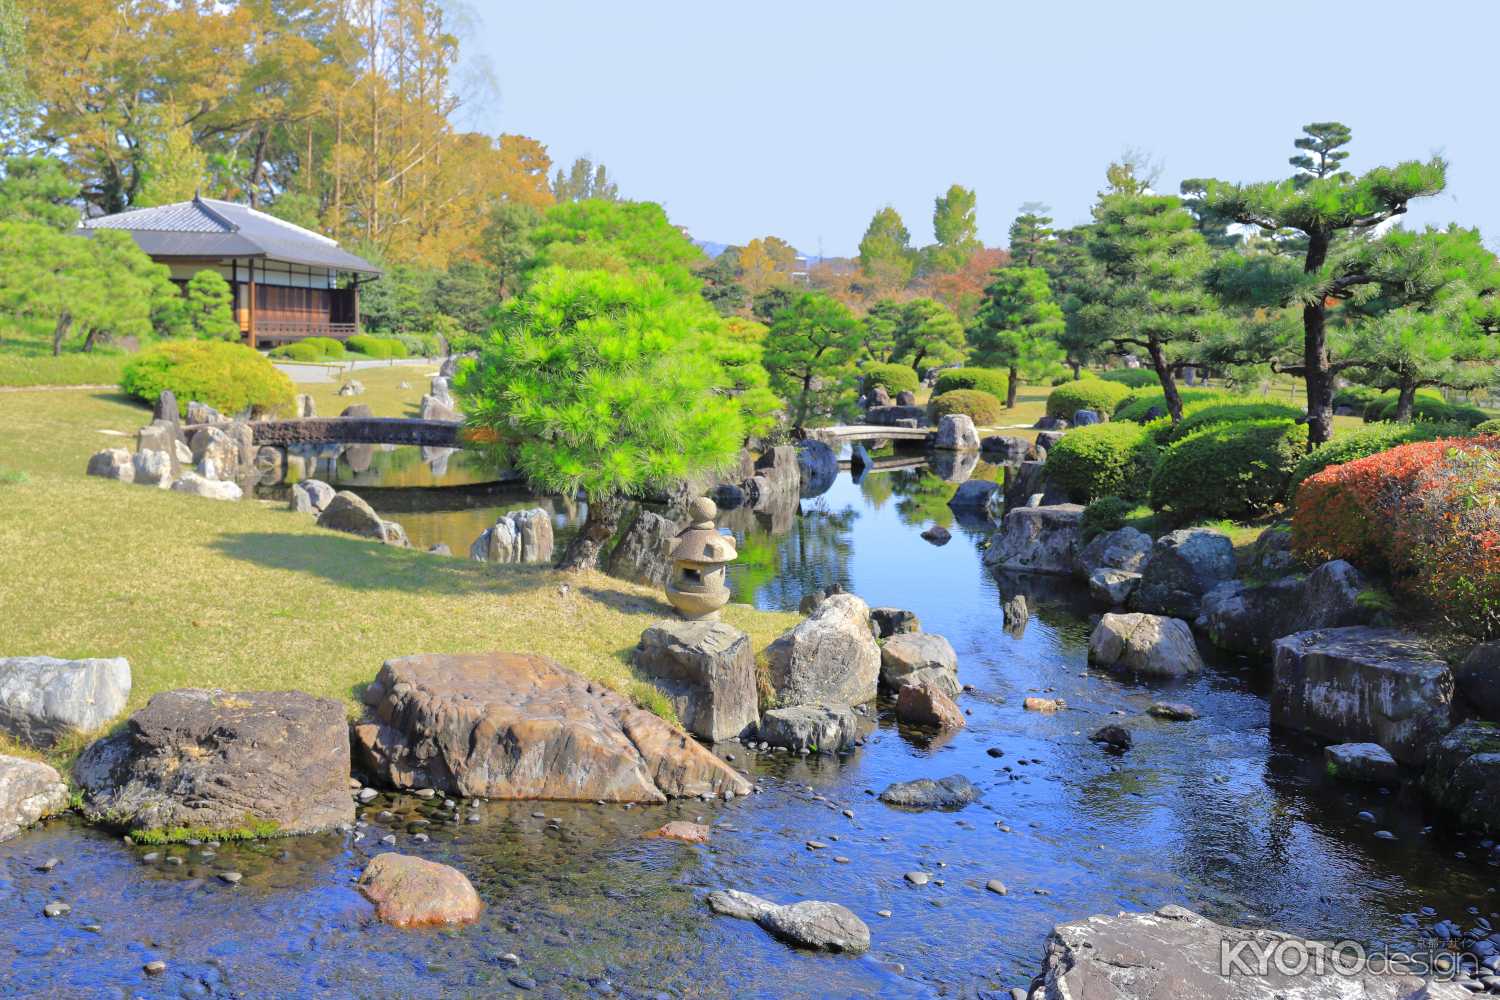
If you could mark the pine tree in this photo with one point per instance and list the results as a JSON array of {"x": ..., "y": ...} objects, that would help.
[
  {"x": 810, "y": 353},
  {"x": 1031, "y": 235},
  {"x": 1017, "y": 327}
]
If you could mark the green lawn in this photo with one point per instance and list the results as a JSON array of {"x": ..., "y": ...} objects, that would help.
[{"x": 250, "y": 596}]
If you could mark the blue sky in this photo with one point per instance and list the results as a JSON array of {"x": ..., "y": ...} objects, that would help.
[{"x": 802, "y": 119}]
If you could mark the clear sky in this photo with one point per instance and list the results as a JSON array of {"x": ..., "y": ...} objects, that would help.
[{"x": 801, "y": 119}]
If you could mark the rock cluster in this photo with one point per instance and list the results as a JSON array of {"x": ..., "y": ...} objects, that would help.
[
  {"x": 522, "y": 536},
  {"x": 807, "y": 924}
]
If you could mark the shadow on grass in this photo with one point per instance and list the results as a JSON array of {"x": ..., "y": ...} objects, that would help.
[
  {"x": 357, "y": 564},
  {"x": 630, "y": 604}
]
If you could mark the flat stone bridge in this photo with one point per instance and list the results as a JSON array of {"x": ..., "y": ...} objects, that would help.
[
  {"x": 357, "y": 430},
  {"x": 847, "y": 433}
]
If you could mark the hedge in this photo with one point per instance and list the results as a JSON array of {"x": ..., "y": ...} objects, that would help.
[
  {"x": 376, "y": 347},
  {"x": 1410, "y": 512},
  {"x": 981, "y": 407},
  {"x": 1085, "y": 394},
  {"x": 1366, "y": 441},
  {"x": 1139, "y": 402},
  {"x": 1135, "y": 378},
  {"x": 227, "y": 376},
  {"x": 1210, "y": 413},
  {"x": 989, "y": 380},
  {"x": 1234, "y": 471},
  {"x": 311, "y": 349},
  {"x": 1488, "y": 427},
  {"x": 895, "y": 378},
  {"x": 1427, "y": 407},
  {"x": 1101, "y": 460}
]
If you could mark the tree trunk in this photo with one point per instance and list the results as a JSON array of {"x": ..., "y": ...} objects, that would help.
[
  {"x": 60, "y": 331},
  {"x": 1315, "y": 353},
  {"x": 598, "y": 528},
  {"x": 1405, "y": 401},
  {"x": 802, "y": 403},
  {"x": 1077, "y": 370},
  {"x": 1010, "y": 388},
  {"x": 1168, "y": 381}
]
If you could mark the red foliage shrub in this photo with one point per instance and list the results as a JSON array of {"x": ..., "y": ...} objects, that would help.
[{"x": 1427, "y": 514}]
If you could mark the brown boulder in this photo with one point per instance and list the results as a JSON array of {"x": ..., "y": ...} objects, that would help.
[
  {"x": 681, "y": 829},
  {"x": 520, "y": 726},
  {"x": 925, "y": 703},
  {"x": 410, "y": 892}
]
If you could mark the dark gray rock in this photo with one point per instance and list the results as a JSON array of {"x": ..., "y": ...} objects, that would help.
[
  {"x": 1271, "y": 555},
  {"x": 937, "y": 535},
  {"x": 894, "y": 621},
  {"x": 1085, "y": 418},
  {"x": 976, "y": 496},
  {"x": 1113, "y": 586},
  {"x": 707, "y": 670},
  {"x": 1051, "y": 424},
  {"x": 952, "y": 792},
  {"x": 166, "y": 407},
  {"x": 232, "y": 763},
  {"x": 1023, "y": 482},
  {"x": 878, "y": 396},
  {"x": 1363, "y": 685},
  {"x": 44, "y": 700},
  {"x": 641, "y": 555},
  {"x": 112, "y": 463},
  {"x": 1174, "y": 954},
  {"x": 906, "y": 398},
  {"x": 809, "y": 924},
  {"x": 818, "y": 467},
  {"x": 1183, "y": 566},
  {"x": 1478, "y": 680},
  {"x": 1037, "y": 540},
  {"x": 1006, "y": 450},
  {"x": 1366, "y": 762},
  {"x": 1124, "y": 548},
  {"x": 782, "y": 473},
  {"x": 1049, "y": 439},
  {"x": 824, "y": 728},
  {"x": 1462, "y": 776},
  {"x": 1114, "y": 736},
  {"x": 1149, "y": 645},
  {"x": 892, "y": 416}
]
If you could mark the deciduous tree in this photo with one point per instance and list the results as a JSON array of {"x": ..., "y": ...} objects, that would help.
[{"x": 885, "y": 253}]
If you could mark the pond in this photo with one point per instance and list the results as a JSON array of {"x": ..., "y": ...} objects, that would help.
[{"x": 1219, "y": 814}]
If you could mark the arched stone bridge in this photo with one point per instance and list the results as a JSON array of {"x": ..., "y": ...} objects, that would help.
[{"x": 358, "y": 430}]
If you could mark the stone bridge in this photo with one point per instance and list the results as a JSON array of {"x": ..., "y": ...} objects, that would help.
[{"x": 357, "y": 430}]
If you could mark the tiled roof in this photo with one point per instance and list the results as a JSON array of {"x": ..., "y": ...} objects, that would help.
[{"x": 206, "y": 227}]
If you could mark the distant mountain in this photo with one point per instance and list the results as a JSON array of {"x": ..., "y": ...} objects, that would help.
[{"x": 714, "y": 249}]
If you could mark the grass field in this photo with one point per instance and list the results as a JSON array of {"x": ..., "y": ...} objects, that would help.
[{"x": 248, "y": 595}]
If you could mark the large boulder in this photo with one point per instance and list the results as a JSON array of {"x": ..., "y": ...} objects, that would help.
[
  {"x": 1478, "y": 679},
  {"x": 411, "y": 892},
  {"x": 956, "y": 433},
  {"x": 1113, "y": 586},
  {"x": 349, "y": 513},
  {"x": 1363, "y": 685},
  {"x": 1174, "y": 954},
  {"x": 977, "y": 496},
  {"x": 1271, "y": 554},
  {"x": 894, "y": 621},
  {"x": 826, "y": 728},
  {"x": 1037, "y": 539},
  {"x": 1248, "y": 619},
  {"x": 438, "y": 408},
  {"x": 166, "y": 407},
  {"x": 214, "y": 763},
  {"x": 1049, "y": 437},
  {"x": 112, "y": 463},
  {"x": 520, "y": 726},
  {"x": 1149, "y": 645},
  {"x": 165, "y": 436},
  {"x": 1024, "y": 481},
  {"x": 1124, "y": 548},
  {"x": 952, "y": 792},
  {"x": 1183, "y": 566},
  {"x": 831, "y": 657},
  {"x": 707, "y": 670},
  {"x": 29, "y": 791},
  {"x": 808, "y": 924},
  {"x": 915, "y": 657},
  {"x": 311, "y": 496},
  {"x": 1369, "y": 762},
  {"x": 818, "y": 467},
  {"x": 152, "y": 468},
  {"x": 926, "y": 703},
  {"x": 522, "y": 536},
  {"x": 641, "y": 554},
  {"x": 44, "y": 700},
  {"x": 1462, "y": 776},
  {"x": 217, "y": 450},
  {"x": 779, "y": 468},
  {"x": 1006, "y": 449}
]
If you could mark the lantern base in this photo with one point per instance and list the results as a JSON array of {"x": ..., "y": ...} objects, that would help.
[{"x": 698, "y": 605}]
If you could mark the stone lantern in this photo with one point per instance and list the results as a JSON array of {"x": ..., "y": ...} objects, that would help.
[{"x": 699, "y": 555}]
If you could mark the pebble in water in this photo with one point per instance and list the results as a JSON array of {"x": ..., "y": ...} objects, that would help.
[
  {"x": 49, "y": 864},
  {"x": 57, "y": 908},
  {"x": 996, "y": 886},
  {"x": 918, "y": 878},
  {"x": 154, "y": 968},
  {"x": 231, "y": 878},
  {"x": 883, "y": 913}
]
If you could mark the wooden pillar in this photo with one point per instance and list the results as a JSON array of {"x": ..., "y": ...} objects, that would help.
[
  {"x": 252, "y": 302},
  {"x": 355, "y": 317}
]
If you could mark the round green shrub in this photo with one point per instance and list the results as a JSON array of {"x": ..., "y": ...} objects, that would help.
[
  {"x": 1141, "y": 402},
  {"x": 420, "y": 345},
  {"x": 229, "y": 377},
  {"x": 1429, "y": 407},
  {"x": 1356, "y": 397},
  {"x": 980, "y": 407},
  {"x": 1209, "y": 413},
  {"x": 1364, "y": 442},
  {"x": 990, "y": 380},
  {"x": 1234, "y": 471},
  {"x": 376, "y": 347},
  {"x": 1104, "y": 514},
  {"x": 1135, "y": 378},
  {"x": 1085, "y": 394},
  {"x": 311, "y": 349},
  {"x": 1488, "y": 427},
  {"x": 1102, "y": 460},
  {"x": 895, "y": 378}
]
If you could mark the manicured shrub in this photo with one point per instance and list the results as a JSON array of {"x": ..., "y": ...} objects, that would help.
[
  {"x": 227, "y": 376},
  {"x": 1105, "y": 514},
  {"x": 419, "y": 345},
  {"x": 1102, "y": 460},
  {"x": 895, "y": 378},
  {"x": 1429, "y": 407},
  {"x": 311, "y": 349},
  {"x": 1212, "y": 412},
  {"x": 1488, "y": 427},
  {"x": 1085, "y": 394},
  {"x": 988, "y": 380},
  {"x": 1356, "y": 397},
  {"x": 376, "y": 347},
  {"x": 1234, "y": 471},
  {"x": 1365, "y": 441},
  {"x": 1140, "y": 402},
  {"x": 981, "y": 407},
  {"x": 1424, "y": 514},
  {"x": 1135, "y": 378}
]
